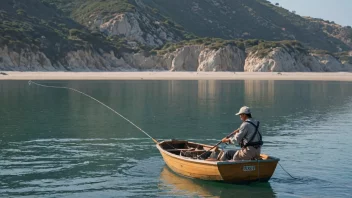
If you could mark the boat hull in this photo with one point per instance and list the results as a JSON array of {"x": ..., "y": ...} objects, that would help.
[{"x": 225, "y": 171}]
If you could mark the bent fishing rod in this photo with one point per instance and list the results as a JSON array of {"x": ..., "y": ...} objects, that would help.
[
  {"x": 154, "y": 140},
  {"x": 91, "y": 97}
]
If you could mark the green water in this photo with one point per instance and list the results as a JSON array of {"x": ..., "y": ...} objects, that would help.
[{"x": 57, "y": 143}]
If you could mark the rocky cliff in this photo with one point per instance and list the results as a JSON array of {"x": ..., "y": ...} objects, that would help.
[
  {"x": 189, "y": 58},
  {"x": 80, "y": 60},
  {"x": 282, "y": 60},
  {"x": 136, "y": 27},
  {"x": 193, "y": 58},
  {"x": 115, "y": 35},
  {"x": 230, "y": 58}
]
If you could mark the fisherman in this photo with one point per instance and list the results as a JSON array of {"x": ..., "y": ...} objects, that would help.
[{"x": 247, "y": 136}]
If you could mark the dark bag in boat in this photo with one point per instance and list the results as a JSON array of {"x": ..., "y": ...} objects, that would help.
[{"x": 205, "y": 155}]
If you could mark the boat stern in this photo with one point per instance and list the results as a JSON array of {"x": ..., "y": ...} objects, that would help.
[{"x": 248, "y": 171}]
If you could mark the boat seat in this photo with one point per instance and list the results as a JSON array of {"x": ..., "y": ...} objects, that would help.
[{"x": 189, "y": 149}]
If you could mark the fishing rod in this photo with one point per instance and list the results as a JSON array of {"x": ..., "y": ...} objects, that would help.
[
  {"x": 154, "y": 140},
  {"x": 91, "y": 97}
]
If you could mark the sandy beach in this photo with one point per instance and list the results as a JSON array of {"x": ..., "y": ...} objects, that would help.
[{"x": 338, "y": 76}]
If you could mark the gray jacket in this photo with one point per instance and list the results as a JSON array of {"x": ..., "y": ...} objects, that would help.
[{"x": 246, "y": 132}]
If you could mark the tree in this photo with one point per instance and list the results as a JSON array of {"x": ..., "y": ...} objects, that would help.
[{"x": 277, "y": 4}]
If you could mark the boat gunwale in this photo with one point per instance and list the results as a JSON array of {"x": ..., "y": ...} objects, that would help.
[{"x": 273, "y": 159}]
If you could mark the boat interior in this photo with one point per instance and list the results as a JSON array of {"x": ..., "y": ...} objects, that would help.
[
  {"x": 184, "y": 148},
  {"x": 195, "y": 150}
]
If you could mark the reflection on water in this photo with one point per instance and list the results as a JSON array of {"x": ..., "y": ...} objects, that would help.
[
  {"x": 59, "y": 143},
  {"x": 182, "y": 186},
  {"x": 259, "y": 93}
]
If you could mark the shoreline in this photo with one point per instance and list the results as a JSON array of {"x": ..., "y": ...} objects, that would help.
[{"x": 167, "y": 75}]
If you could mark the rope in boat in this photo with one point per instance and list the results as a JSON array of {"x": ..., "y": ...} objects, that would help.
[
  {"x": 287, "y": 172},
  {"x": 75, "y": 90}
]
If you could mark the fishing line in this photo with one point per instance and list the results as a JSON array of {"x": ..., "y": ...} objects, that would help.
[
  {"x": 286, "y": 171},
  {"x": 75, "y": 90}
]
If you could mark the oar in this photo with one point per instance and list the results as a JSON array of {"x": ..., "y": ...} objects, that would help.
[{"x": 216, "y": 145}]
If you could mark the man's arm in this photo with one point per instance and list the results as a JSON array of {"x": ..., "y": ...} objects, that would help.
[
  {"x": 238, "y": 134},
  {"x": 228, "y": 139},
  {"x": 241, "y": 133}
]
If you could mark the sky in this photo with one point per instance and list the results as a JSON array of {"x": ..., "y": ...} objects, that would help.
[{"x": 339, "y": 11}]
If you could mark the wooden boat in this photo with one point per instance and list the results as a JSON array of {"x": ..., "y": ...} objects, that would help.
[{"x": 182, "y": 157}]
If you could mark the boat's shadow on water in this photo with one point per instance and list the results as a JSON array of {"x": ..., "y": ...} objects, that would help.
[{"x": 181, "y": 186}]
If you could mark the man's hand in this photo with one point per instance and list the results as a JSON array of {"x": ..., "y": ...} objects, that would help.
[
  {"x": 238, "y": 130},
  {"x": 225, "y": 140}
]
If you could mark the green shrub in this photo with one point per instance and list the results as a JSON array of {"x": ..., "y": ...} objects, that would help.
[
  {"x": 20, "y": 12},
  {"x": 74, "y": 32}
]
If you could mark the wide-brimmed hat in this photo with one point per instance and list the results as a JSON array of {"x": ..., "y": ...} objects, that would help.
[{"x": 244, "y": 110}]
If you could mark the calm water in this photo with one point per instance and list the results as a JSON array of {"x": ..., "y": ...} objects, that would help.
[{"x": 57, "y": 143}]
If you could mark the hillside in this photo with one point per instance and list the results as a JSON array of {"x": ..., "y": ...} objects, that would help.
[
  {"x": 71, "y": 34},
  {"x": 227, "y": 19},
  {"x": 36, "y": 26},
  {"x": 251, "y": 19}
]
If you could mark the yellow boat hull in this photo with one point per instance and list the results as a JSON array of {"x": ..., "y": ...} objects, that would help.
[{"x": 226, "y": 171}]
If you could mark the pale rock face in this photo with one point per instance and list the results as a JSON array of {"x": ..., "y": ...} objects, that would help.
[
  {"x": 80, "y": 60},
  {"x": 326, "y": 63},
  {"x": 329, "y": 63},
  {"x": 138, "y": 60},
  {"x": 129, "y": 26},
  {"x": 186, "y": 59},
  {"x": 124, "y": 25},
  {"x": 224, "y": 59},
  {"x": 25, "y": 60},
  {"x": 281, "y": 60},
  {"x": 209, "y": 60},
  {"x": 191, "y": 58},
  {"x": 92, "y": 61}
]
